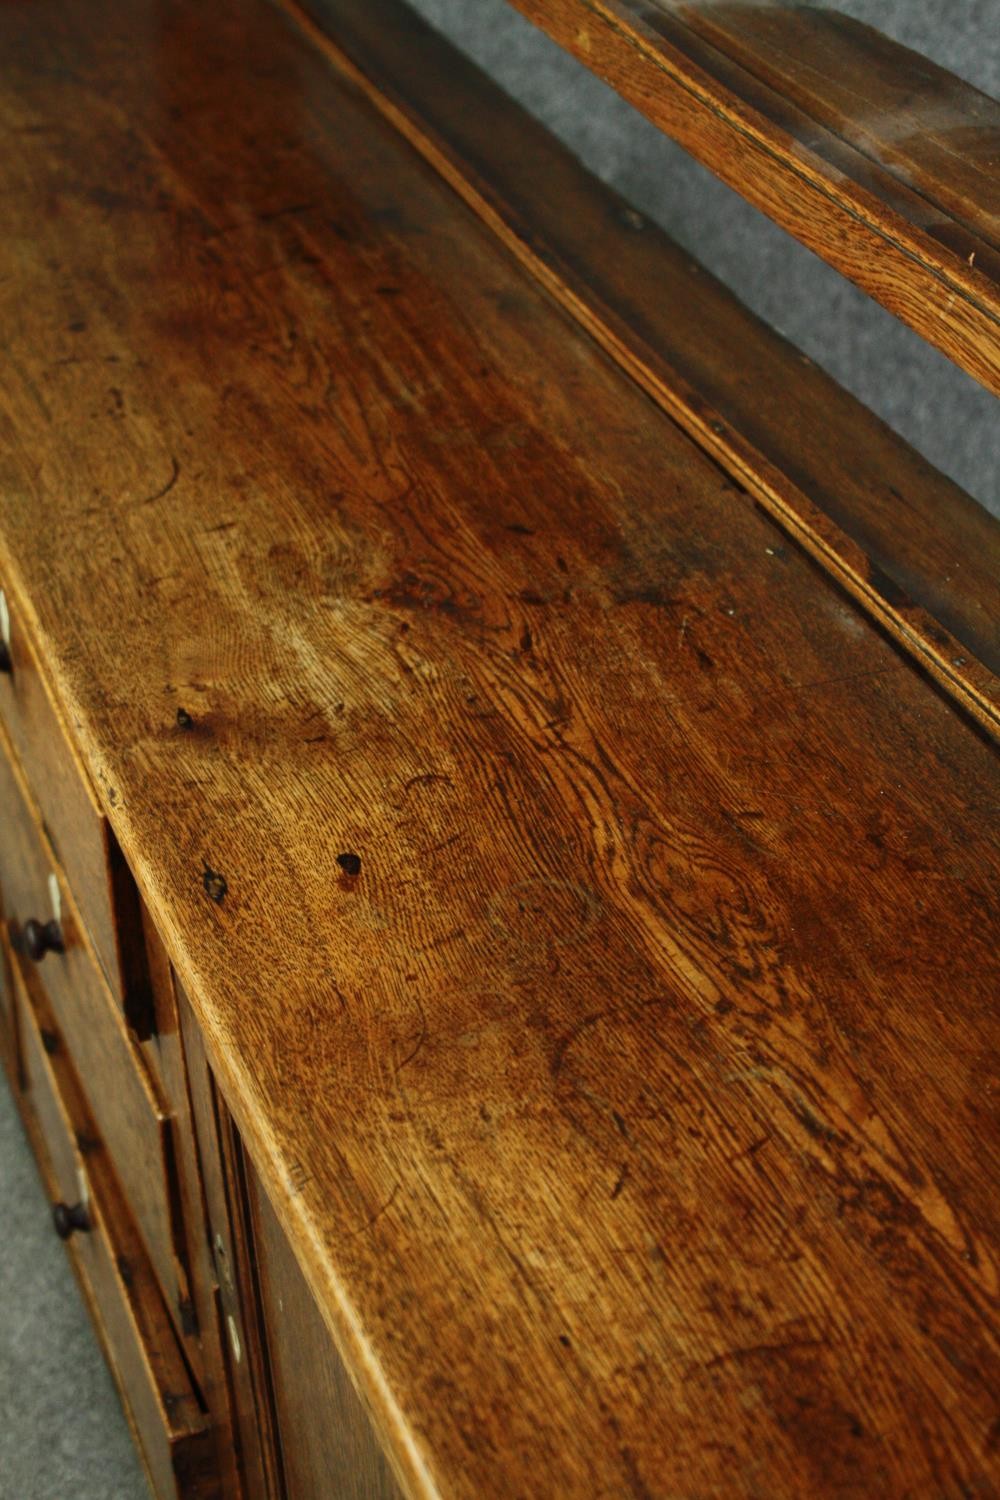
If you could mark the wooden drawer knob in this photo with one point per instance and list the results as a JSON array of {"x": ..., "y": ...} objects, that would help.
[
  {"x": 41, "y": 938},
  {"x": 68, "y": 1220}
]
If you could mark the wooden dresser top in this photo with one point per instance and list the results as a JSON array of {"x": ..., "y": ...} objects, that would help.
[{"x": 591, "y": 916}]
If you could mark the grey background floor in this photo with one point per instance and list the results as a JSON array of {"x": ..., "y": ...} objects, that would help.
[
  {"x": 62, "y": 1433},
  {"x": 61, "y": 1430}
]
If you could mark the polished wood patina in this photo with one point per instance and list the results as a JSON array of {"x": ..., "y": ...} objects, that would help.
[{"x": 569, "y": 888}]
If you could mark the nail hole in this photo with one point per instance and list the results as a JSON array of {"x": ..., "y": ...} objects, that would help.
[
  {"x": 350, "y": 863},
  {"x": 215, "y": 884}
]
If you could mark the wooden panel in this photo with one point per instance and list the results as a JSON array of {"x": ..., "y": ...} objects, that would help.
[
  {"x": 74, "y": 823},
  {"x": 253, "y": 1408},
  {"x": 328, "y": 1446},
  {"x": 165, "y": 1414},
  {"x": 133, "y": 1123},
  {"x": 586, "y": 910},
  {"x": 203, "y": 1326},
  {"x": 66, "y": 1139},
  {"x": 919, "y": 554},
  {"x": 781, "y": 144}
]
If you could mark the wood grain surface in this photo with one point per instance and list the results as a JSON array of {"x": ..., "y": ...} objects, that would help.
[
  {"x": 590, "y": 915},
  {"x": 881, "y": 163},
  {"x": 920, "y": 555}
]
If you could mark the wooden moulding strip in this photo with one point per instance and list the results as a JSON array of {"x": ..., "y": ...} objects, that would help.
[
  {"x": 465, "y": 128},
  {"x": 863, "y": 222}
]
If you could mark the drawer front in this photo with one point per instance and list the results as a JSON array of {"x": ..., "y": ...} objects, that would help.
[
  {"x": 133, "y": 1124},
  {"x": 168, "y": 1423},
  {"x": 77, "y": 829}
]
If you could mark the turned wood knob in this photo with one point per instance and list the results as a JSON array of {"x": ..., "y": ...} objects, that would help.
[
  {"x": 67, "y": 1220},
  {"x": 6, "y": 661},
  {"x": 41, "y": 938}
]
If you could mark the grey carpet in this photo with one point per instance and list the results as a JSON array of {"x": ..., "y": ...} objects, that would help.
[{"x": 61, "y": 1431}]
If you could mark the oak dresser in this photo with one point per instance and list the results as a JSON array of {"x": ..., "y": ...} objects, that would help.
[{"x": 499, "y": 790}]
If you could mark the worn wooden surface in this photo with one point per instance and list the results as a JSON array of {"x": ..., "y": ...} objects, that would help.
[
  {"x": 915, "y": 550},
  {"x": 169, "y": 1424},
  {"x": 632, "y": 1109},
  {"x": 880, "y": 162},
  {"x": 132, "y": 1119},
  {"x": 73, "y": 823},
  {"x": 327, "y": 1443},
  {"x": 932, "y": 131},
  {"x": 257, "y": 1461}
]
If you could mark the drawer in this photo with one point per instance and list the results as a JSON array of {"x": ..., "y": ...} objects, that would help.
[
  {"x": 121, "y": 1095},
  {"x": 76, "y": 828},
  {"x": 170, "y": 1427}
]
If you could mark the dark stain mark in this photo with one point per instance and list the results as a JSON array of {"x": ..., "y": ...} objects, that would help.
[
  {"x": 215, "y": 885},
  {"x": 188, "y": 1316},
  {"x": 175, "y": 470},
  {"x": 564, "y": 1339},
  {"x": 811, "y": 1122},
  {"x": 530, "y": 596},
  {"x": 724, "y": 1007},
  {"x": 620, "y": 1125},
  {"x": 755, "y": 1351},
  {"x": 87, "y": 1144},
  {"x": 519, "y": 530},
  {"x": 350, "y": 863},
  {"x": 652, "y": 594},
  {"x": 526, "y": 641},
  {"x": 267, "y": 216},
  {"x": 370, "y": 1222},
  {"x": 562, "y": 565},
  {"x": 78, "y": 327},
  {"x": 426, "y": 778},
  {"x": 184, "y": 719},
  {"x": 887, "y": 588},
  {"x": 413, "y": 592},
  {"x": 125, "y": 1269},
  {"x": 443, "y": 844},
  {"x": 50, "y": 1042},
  {"x": 622, "y": 1179}
]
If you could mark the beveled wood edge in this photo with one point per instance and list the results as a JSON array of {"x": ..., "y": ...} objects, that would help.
[
  {"x": 951, "y": 663},
  {"x": 938, "y": 293}
]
